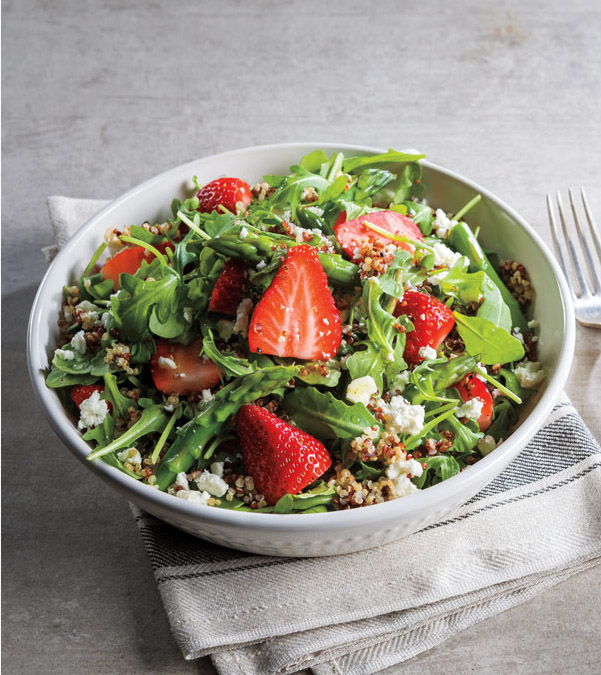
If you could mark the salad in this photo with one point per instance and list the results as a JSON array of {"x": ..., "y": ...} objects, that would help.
[{"x": 322, "y": 340}]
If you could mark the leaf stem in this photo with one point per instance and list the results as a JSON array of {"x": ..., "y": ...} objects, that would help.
[
  {"x": 499, "y": 386},
  {"x": 184, "y": 218},
  {"x": 163, "y": 438},
  {"x": 146, "y": 245},
  {"x": 97, "y": 253},
  {"x": 470, "y": 205},
  {"x": 396, "y": 237}
]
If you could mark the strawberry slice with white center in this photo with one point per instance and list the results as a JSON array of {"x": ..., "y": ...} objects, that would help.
[
  {"x": 352, "y": 234},
  {"x": 297, "y": 316}
]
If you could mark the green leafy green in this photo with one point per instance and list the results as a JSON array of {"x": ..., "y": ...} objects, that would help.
[
  {"x": 483, "y": 339},
  {"x": 324, "y": 416},
  {"x": 391, "y": 157}
]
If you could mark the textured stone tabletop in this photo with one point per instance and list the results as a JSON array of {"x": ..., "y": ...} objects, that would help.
[{"x": 101, "y": 95}]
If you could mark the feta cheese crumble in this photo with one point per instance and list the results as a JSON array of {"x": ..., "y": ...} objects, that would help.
[
  {"x": 166, "y": 362},
  {"x": 260, "y": 265},
  {"x": 207, "y": 395},
  {"x": 534, "y": 324},
  {"x": 243, "y": 316},
  {"x": 211, "y": 483},
  {"x": 92, "y": 411},
  {"x": 529, "y": 374},
  {"x": 194, "y": 496},
  {"x": 78, "y": 342},
  {"x": 361, "y": 389},
  {"x": 427, "y": 352},
  {"x": 471, "y": 409},
  {"x": 65, "y": 354},
  {"x": 444, "y": 256},
  {"x": 399, "y": 473},
  {"x": 217, "y": 468},
  {"x": 442, "y": 224},
  {"x": 130, "y": 455},
  {"x": 402, "y": 417},
  {"x": 401, "y": 380}
]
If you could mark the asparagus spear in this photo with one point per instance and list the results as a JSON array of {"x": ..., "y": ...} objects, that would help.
[
  {"x": 193, "y": 437},
  {"x": 256, "y": 246},
  {"x": 464, "y": 240}
]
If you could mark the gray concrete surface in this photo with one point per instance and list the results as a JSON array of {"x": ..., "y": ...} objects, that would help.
[{"x": 101, "y": 95}]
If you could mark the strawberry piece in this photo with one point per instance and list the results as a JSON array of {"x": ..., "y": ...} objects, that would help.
[
  {"x": 128, "y": 261},
  {"x": 351, "y": 234},
  {"x": 229, "y": 288},
  {"x": 471, "y": 386},
  {"x": 232, "y": 193},
  {"x": 178, "y": 369},
  {"x": 297, "y": 316},
  {"x": 281, "y": 458},
  {"x": 82, "y": 392},
  {"x": 432, "y": 320}
]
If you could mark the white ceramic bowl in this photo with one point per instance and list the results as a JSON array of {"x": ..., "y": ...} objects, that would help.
[{"x": 322, "y": 533}]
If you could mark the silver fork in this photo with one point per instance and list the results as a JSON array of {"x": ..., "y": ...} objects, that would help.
[{"x": 587, "y": 296}]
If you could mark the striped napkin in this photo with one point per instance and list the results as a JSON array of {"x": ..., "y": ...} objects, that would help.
[{"x": 535, "y": 525}]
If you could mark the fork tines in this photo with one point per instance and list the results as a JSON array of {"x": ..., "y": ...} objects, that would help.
[{"x": 588, "y": 273}]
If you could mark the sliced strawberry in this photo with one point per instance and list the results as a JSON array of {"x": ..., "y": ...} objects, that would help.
[
  {"x": 232, "y": 193},
  {"x": 351, "y": 234},
  {"x": 178, "y": 369},
  {"x": 297, "y": 316},
  {"x": 128, "y": 261},
  {"x": 471, "y": 386},
  {"x": 281, "y": 458},
  {"x": 229, "y": 288},
  {"x": 82, "y": 392},
  {"x": 432, "y": 320}
]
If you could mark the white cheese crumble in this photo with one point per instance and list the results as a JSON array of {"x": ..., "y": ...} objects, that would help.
[
  {"x": 65, "y": 354},
  {"x": 104, "y": 319},
  {"x": 427, "y": 352},
  {"x": 517, "y": 333},
  {"x": 243, "y": 316},
  {"x": 534, "y": 324},
  {"x": 403, "y": 418},
  {"x": 401, "y": 380},
  {"x": 444, "y": 256},
  {"x": 398, "y": 472},
  {"x": 225, "y": 329},
  {"x": 206, "y": 395},
  {"x": 471, "y": 409},
  {"x": 211, "y": 483},
  {"x": 130, "y": 455},
  {"x": 181, "y": 480},
  {"x": 188, "y": 314},
  {"x": 260, "y": 265},
  {"x": 194, "y": 496},
  {"x": 166, "y": 362},
  {"x": 86, "y": 306},
  {"x": 92, "y": 411},
  {"x": 487, "y": 444},
  {"x": 243, "y": 233},
  {"x": 78, "y": 342},
  {"x": 529, "y": 374},
  {"x": 361, "y": 389},
  {"x": 442, "y": 224},
  {"x": 217, "y": 468}
]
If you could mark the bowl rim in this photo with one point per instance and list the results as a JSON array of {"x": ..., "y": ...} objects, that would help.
[{"x": 420, "y": 501}]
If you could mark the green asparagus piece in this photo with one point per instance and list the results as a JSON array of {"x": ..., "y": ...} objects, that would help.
[
  {"x": 193, "y": 437},
  {"x": 256, "y": 246},
  {"x": 464, "y": 240}
]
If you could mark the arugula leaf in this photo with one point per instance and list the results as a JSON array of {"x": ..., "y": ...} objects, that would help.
[
  {"x": 504, "y": 417},
  {"x": 370, "y": 182},
  {"x": 284, "y": 504},
  {"x": 232, "y": 365},
  {"x": 466, "y": 435},
  {"x": 421, "y": 214},
  {"x": 390, "y": 157},
  {"x": 310, "y": 373},
  {"x": 326, "y": 417},
  {"x": 57, "y": 379},
  {"x": 81, "y": 364},
  {"x": 313, "y": 161},
  {"x": 438, "y": 468},
  {"x": 493, "y": 307},
  {"x": 149, "y": 305},
  {"x": 485, "y": 340},
  {"x": 465, "y": 286}
]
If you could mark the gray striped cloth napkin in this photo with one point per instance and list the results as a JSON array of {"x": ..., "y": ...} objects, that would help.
[{"x": 535, "y": 525}]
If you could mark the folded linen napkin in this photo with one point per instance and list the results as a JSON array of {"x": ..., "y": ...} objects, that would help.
[{"x": 535, "y": 525}]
